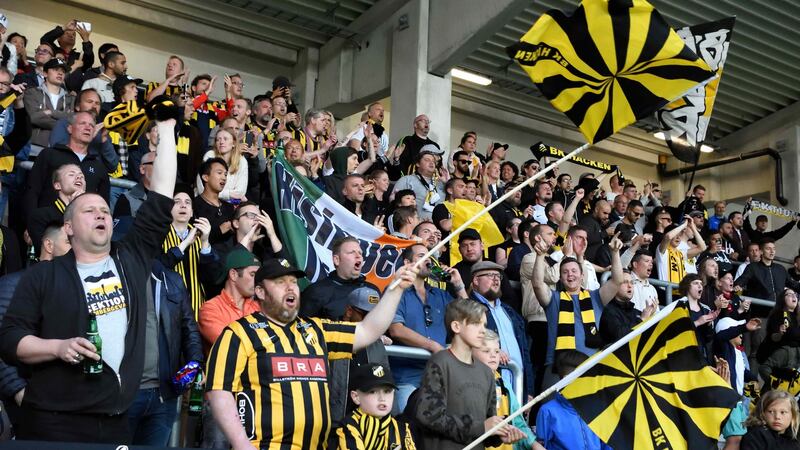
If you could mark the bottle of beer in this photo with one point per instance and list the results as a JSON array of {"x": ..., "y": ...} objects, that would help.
[
  {"x": 91, "y": 367},
  {"x": 196, "y": 396}
]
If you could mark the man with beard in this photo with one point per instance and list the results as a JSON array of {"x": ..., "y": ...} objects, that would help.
[
  {"x": 595, "y": 226},
  {"x": 269, "y": 370},
  {"x": 327, "y": 297},
  {"x": 413, "y": 146},
  {"x": 503, "y": 320},
  {"x": 544, "y": 194}
]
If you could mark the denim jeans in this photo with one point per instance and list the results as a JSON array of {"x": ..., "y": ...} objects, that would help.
[
  {"x": 151, "y": 418},
  {"x": 404, "y": 390},
  {"x": 114, "y": 195}
]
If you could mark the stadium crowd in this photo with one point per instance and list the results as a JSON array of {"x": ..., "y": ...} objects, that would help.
[{"x": 187, "y": 267}]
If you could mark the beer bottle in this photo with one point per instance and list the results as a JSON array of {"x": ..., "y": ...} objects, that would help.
[
  {"x": 196, "y": 396},
  {"x": 91, "y": 367}
]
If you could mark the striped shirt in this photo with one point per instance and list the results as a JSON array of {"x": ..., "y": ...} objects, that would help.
[{"x": 279, "y": 377}]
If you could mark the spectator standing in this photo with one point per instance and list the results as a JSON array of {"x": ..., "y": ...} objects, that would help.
[
  {"x": 450, "y": 418},
  {"x": 739, "y": 236},
  {"x": 44, "y": 52},
  {"x": 419, "y": 322},
  {"x": 68, "y": 182},
  {"x": 718, "y": 218},
  {"x": 759, "y": 233},
  {"x": 114, "y": 65},
  {"x": 129, "y": 202},
  {"x": 82, "y": 129},
  {"x": 404, "y": 162},
  {"x": 49, "y": 102},
  {"x": 643, "y": 291},
  {"x": 428, "y": 188},
  {"x": 62, "y": 40},
  {"x": 766, "y": 279},
  {"x": 214, "y": 173},
  {"x": 228, "y": 148},
  {"x": 327, "y": 298},
  {"x": 175, "y": 76},
  {"x": 311, "y": 342},
  {"x": 773, "y": 424},
  {"x": 58, "y": 308},
  {"x": 171, "y": 341},
  {"x": 620, "y": 314}
]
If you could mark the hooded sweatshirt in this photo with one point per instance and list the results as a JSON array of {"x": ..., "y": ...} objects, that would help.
[{"x": 335, "y": 182}]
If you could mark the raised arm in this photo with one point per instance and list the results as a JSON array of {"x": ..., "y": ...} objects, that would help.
[
  {"x": 566, "y": 219},
  {"x": 539, "y": 287},
  {"x": 609, "y": 290},
  {"x": 662, "y": 247},
  {"x": 378, "y": 320},
  {"x": 701, "y": 244},
  {"x": 165, "y": 166}
]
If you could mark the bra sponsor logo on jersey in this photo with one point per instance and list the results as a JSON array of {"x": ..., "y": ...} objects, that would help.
[
  {"x": 246, "y": 411},
  {"x": 287, "y": 368}
]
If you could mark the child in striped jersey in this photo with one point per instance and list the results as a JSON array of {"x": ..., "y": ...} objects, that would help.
[
  {"x": 507, "y": 403},
  {"x": 371, "y": 426}
]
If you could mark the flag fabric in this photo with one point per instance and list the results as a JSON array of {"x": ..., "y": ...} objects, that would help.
[
  {"x": 609, "y": 64},
  {"x": 462, "y": 210},
  {"x": 655, "y": 392},
  {"x": 685, "y": 121},
  {"x": 310, "y": 221},
  {"x": 541, "y": 150}
]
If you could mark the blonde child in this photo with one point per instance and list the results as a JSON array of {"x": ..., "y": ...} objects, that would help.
[
  {"x": 773, "y": 424},
  {"x": 507, "y": 403}
]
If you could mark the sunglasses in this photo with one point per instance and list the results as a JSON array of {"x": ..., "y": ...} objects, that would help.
[{"x": 426, "y": 309}]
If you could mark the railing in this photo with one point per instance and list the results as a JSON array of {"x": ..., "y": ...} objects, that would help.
[{"x": 400, "y": 351}]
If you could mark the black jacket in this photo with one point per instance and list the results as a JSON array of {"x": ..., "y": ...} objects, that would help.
[
  {"x": 327, "y": 298},
  {"x": 179, "y": 338},
  {"x": 40, "y": 190},
  {"x": 618, "y": 319},
  {"x": 50, "y": 303},
  {"x": 758, "y": 236},
  {"x": 762, "y": 438},
  {"x": 10, "y": 380},
  {"x": 762, "y": 281}
]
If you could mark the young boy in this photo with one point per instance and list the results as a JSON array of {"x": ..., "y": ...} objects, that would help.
[
  {"x": 558, "y": 425},
  {"x": 507, "y": 402},
  {"x": 456, "y": 401},
  {"x": 370, "y": 426}
]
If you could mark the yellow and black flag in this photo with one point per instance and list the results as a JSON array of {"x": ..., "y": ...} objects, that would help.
[
  {"x": 609, "y": 64},
  {"x": 654, "y": 392}
]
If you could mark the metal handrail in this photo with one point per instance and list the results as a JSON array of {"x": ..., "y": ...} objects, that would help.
[
  {"x": 401, "y": 351},
  {"x": 671, "y": 286}
]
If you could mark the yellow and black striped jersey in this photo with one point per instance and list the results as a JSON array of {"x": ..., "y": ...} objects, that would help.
[
  {"x": 188, "y": 268},
  {"x": 171, "y": 90},
  {"x": 279, "y": 377}
]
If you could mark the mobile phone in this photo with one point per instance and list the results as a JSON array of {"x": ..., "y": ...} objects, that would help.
[
  {"x": 85, "y": 25},
  {"x": 249, "y": 138}
]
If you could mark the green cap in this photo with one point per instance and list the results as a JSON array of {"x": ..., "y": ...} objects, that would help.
[{"x": 237, "y": 259}]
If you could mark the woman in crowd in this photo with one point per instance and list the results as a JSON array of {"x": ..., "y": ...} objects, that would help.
[
  {"x": 491, "y": 182},
  {"x": 691, "y": 288},
  {"x": 780, "y": 348},
  {"x": 737, "y": 308},
  {"x": 227, "y": 148},
  {"x": 709, "y": 271},
  {"x": 508, "y": 172}
]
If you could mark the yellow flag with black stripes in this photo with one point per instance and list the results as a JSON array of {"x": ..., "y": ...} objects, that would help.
[
  {"x": 609, "y": 64},
  {"x": 654, "y": 392}
]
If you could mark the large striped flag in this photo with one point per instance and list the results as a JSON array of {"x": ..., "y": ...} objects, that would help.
[
  {"x": 609, "y": 64},
  {"x": 685, "y": 121},
  {"x": 309, "y": 221},
  {"x": 655, "y": 392}
]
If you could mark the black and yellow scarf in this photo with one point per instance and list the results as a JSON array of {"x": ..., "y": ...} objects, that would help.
[
  {"x": 188, "y": 268},
  {"x": 565, "y": 339},
  {"x": 379, "y": 433},
  {"x": 128, "y": 119}
]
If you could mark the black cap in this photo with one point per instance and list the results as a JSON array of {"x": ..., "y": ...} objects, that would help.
[
  {"x": 276, "y": 268},
  {"x": 162, "y": 108},
  {"x": 469, "y": 234},
  {"x": 371, "y": 375},
  {"x": 55, "y": 63},
  {"x": 121, "y": 82},
  {"x": 588, "y": 184}
]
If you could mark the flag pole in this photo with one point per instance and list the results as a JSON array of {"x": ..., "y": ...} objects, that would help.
[
  {"x": 505, "y": 196},
  {"x": 583, "y": 368}
]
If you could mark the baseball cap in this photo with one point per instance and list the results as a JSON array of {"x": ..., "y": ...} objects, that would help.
[
  {"x": 121, "y": 82},
  {"x": 364, "y": 298},
  {"x": 3, "y": 21},
  {"x": 469, "y": 234},
  {"x": 497, "y": 145},
  {"x": 696, "y": 213},
  {"x": 486, "y": 265},
  {"x": 276, "y": 268},
  {"x": 428, "y": 149},
  {"x": 727, "y": 322},
  {"x": 371, "y": 375},
  {"x": 55, "y": 63},
  {"x": 237, "y": 259}
]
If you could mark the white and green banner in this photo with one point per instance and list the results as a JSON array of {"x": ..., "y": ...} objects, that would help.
[{"x": 309, "y": 221}]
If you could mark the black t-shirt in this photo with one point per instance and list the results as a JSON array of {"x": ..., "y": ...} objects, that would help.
[
  {"x": 440, "y": 212},
  {"x": 216, "y": 215}
]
